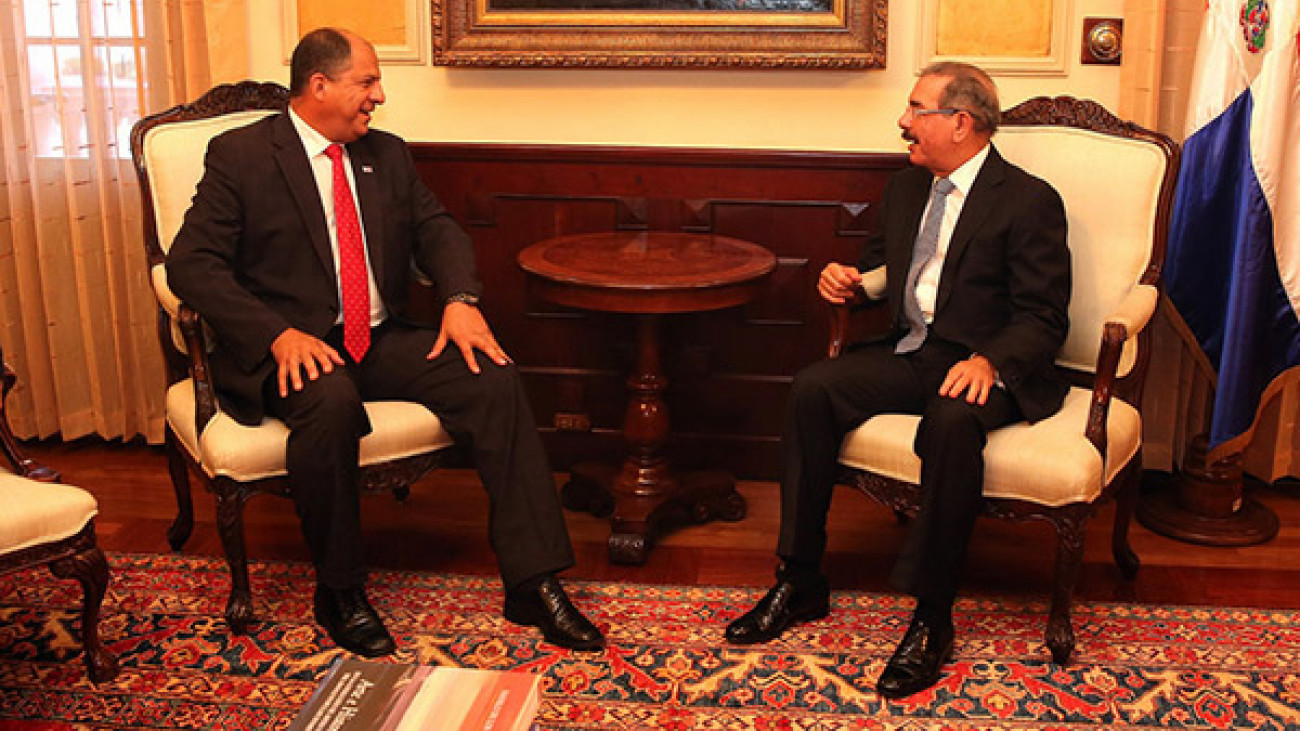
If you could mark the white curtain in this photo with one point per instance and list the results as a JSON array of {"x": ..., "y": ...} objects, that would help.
[{"x": 77, "y": 318}]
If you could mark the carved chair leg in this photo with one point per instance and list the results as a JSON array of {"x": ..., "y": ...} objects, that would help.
[
  {"x": 183, "y": 526},
  {"x": 90, "y": 570},
  {"x": 1125, "y": 503},
  {"x": 230, "y": 525},
  {"x": 1069, "y": 557}
]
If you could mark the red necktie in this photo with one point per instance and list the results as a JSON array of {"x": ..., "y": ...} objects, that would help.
[{"x": 353, "y": 282}]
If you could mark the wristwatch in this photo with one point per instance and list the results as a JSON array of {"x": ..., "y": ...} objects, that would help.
[{"x": 467, "y": 298}]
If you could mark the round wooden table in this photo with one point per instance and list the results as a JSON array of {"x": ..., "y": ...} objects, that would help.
[{"x": 647, "y": 275}]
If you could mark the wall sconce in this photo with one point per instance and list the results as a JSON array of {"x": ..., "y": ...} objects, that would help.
[{"x": 1103, "y": 41}]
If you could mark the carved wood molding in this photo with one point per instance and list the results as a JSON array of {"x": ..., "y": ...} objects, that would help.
[
  {"x": 473, "y": 33},
  {"x": 44, "y": 553},
  {"x": 226, "y": 98},
  {"x": 1071, "y": 112}
]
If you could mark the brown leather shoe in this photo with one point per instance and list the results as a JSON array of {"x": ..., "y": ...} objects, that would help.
[
  {"x": 916, "y": 663},
  {"x": 783, "y": 605},
  {"x": 351, "y": 622},
  {"x": 548, "y": 608}
]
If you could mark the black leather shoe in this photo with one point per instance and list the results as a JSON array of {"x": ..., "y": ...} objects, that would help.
[
  {"x": 548, "y": 608},
  {"x": 916, "y": 663},
  {"x": 351, "y": 622},
  {"x": 782, "y": 606}
]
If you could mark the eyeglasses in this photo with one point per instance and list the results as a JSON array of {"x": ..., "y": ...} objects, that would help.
[{"x": 921, "y": 112}]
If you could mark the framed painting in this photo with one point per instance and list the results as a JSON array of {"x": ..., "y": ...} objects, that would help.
[
  {"x": 818, "y": 34},
  {"x": 1003, "y": 37},
  {"x": 395, "y": 27}
]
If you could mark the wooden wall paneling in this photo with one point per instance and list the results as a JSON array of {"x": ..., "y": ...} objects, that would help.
[{"x": 729, "y": 370}]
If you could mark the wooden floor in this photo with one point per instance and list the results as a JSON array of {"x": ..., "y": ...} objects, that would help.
[{"x": 441, "y": 527}]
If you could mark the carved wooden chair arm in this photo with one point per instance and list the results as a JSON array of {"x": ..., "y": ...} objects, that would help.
[
  {"x": 205, "y": 397},
  {"x": 1129, "y": 318},
  {"x": 1137, "y": 309},
  {"x": 839, "y": 329},
  {"x": 870, "y": 294},
  {"x": 843, "y": 325},
  {"x": 21, "y": 463},
  {"x": 1112, "y": 344},
  {"x": 861, "y": 317}
]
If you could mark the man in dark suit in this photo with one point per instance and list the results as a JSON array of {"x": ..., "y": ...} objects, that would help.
[
  {"x": 977, "y": 276},
  {"x": 306, "y": 292}
]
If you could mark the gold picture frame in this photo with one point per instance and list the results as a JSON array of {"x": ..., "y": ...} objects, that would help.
[
  {"x": 397, "y": 28},
  {"x": 812, "y": 34},
  {"x": 1003, "y": 37}
]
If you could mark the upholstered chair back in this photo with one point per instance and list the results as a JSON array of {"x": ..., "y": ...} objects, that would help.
[
  {"x": 1111, "y": 187},
  {"x": 183, "y": 146}
]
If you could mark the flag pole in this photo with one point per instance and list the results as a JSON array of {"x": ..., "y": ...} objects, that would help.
[
  {"x": 1204, "y": 500},
  {"x": 1233, "y": 268},
  {"x": 1205, "y": 503}
]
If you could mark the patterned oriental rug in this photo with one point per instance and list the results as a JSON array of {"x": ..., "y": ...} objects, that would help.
[{"x": 666, "y": 668}]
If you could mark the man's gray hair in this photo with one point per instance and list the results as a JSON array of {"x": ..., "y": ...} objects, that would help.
[{"x": 971, "y": 90}]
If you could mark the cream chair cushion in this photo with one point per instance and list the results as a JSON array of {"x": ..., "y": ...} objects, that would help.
[
  {"x": 35, "y": 513},
  {"x": 1048, "y": 463},
  {"x": 227, "y": 448},
  {"x": 1111, "y": 188}
]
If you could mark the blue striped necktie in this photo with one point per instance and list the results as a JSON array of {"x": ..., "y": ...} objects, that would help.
[{"x": 927, "y": 242}]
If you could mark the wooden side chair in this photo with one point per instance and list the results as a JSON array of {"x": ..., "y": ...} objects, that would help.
[
  {"x": 46, "y": 523},
  {"x": 1117, "y": 181},
  {"x": 235, "y": 462}
]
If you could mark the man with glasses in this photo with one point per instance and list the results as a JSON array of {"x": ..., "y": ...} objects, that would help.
[{"x": 977, "y": 279}]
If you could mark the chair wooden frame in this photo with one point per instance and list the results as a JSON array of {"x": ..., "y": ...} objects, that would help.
[
  {"x": 394, "y": 476},
  {"x": 1068, "y": 520},
  {"x": 75, "y": 557}
]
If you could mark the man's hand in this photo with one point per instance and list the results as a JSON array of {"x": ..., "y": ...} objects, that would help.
[
  {"x": 974, "y": 377},
  {"x": 295, "y": 351},
  {"x": 838, "y": 282},
  {"x": 464, "y": 325}
]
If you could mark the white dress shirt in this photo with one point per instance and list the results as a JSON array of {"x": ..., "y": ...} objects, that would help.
[
  {"x": 322, "y": 169},
  {"x": 927, "y": 283}
]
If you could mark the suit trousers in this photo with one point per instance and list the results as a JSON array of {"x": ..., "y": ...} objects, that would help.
[
  {"x": 833, "y": 397},
  {"x": 488, "y": 414}
]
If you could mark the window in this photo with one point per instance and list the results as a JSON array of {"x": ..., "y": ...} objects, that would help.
[{"x": 83, "y": 68}]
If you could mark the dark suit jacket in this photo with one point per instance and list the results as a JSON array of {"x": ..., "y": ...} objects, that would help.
[
  {"x": 253, "y": 254},
  {"x": 1005, "y": 285}
]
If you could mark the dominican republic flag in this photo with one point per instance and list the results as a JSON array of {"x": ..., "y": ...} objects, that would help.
[{"x": 1233, "y": 270}]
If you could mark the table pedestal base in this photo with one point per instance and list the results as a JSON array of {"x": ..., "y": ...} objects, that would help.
[
  {"x": 647, "y": 274},
  {"x": 637, "y": 520}
]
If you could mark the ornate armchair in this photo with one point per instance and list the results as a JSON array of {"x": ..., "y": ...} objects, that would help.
[
  {"x": 1117, "y": 181},
  {"x": 44, "y": 522},
  {"x": 233, "y": 461}
]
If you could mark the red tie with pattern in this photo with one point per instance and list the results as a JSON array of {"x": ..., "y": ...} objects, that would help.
[{"x": 353, "y": 282}]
